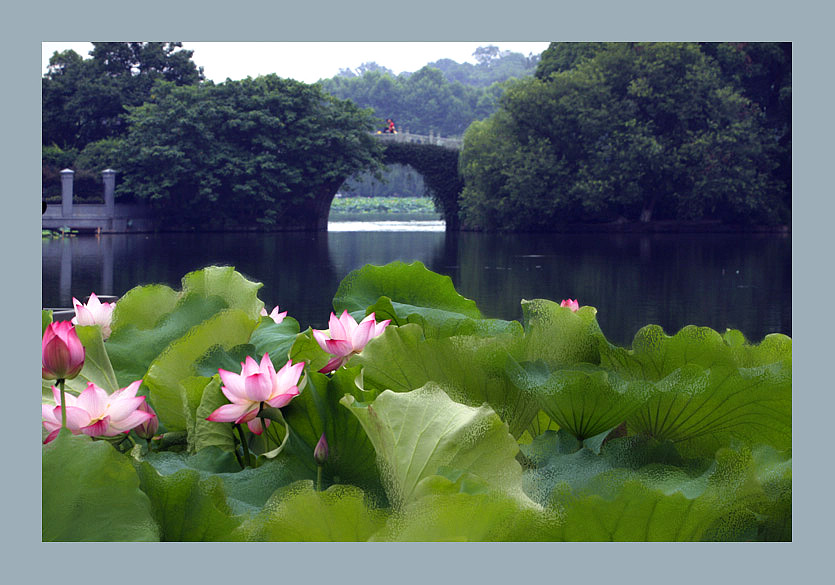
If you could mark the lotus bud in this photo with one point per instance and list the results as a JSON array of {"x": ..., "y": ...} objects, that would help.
[
  {"x": 571, "y": 304},
  {"x": 320, "y": 453},
  {"x": 62, "y": 355},
  {"x": 148, "y": 429}
]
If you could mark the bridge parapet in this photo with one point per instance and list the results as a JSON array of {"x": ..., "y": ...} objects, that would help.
[{"x": 436, "y": 139}]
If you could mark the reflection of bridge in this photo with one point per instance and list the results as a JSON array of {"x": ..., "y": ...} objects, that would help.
[{"x": 406, "y": 137}]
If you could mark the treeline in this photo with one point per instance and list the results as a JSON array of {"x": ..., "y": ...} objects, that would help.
[
  {"x": 442, "y": 97},
  {"x": 612, "y": 132},
  {"x": 601, "y": 132},
  {"x": 254, "y": 152}
]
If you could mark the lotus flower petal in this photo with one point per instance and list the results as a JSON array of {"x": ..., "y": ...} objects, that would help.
[
  {"x": 274, "y": 315},
  {"x": 233, "y": 385},
  {"x": 571, "y": 304},
  {"x": 96, "y": 413},
  {"x": 255, "y": 425},
  {"x": 230, "y": 413},
  {"x": 345, "y": 337},
  {"x": 94, "y": 313},
  {"x": 257, "y": 383}
]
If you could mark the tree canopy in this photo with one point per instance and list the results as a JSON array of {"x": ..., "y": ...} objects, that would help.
[
  {"x": 631, "y": 131},
  {"x": 84, "y": 100},
  {"x": 264, "y": 151},
  {"x": 442, "y": 97}
]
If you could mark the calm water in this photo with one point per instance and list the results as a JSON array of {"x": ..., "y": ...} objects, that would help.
[{"x": 737, "y": 281}]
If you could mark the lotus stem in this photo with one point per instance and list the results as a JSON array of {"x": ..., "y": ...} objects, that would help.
[
  {"x": 244, "y": 446},
  {"x": 63, "y": 404}
]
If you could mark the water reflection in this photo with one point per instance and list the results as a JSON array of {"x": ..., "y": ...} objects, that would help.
[{"x": 738, "y": 281}]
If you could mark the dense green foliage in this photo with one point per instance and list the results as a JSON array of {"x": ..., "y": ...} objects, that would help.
[
  {"x": 83, "y": 100},
  {"x": 635, "y": 132},
  {"x": 442, "y": 97},
  {"x": 446, "y": 427},
  {"x": 439, "y": 167},
  {"x": 264, "y": 151}
]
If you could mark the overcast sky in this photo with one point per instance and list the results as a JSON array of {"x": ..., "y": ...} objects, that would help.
[{"x": 311, "y": 61}]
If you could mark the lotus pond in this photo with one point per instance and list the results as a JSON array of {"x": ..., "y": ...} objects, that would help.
[{"x": 425, "y": 421}]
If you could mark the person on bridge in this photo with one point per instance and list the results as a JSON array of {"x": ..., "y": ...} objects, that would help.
[{"x": 389, "y": 129}]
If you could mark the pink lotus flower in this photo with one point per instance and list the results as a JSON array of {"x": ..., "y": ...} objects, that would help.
[
  {"x": 62, "y": 355},
  {"x": 345, "y": 337},
  {"x": 94, "y": 312},
  {"x": 571, "y": 304},
  {"x": 274, "y": 315},
  {"x": 256, "y": 384},
  {"x": 95, "y": 412}
]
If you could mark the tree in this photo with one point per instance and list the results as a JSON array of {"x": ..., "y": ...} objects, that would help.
[
  {"x": 635, "y": 130},
  {"x": 443, "y": 97},
  {"x": 83, "y": 100},
  {"x": 266, "y": 151}
]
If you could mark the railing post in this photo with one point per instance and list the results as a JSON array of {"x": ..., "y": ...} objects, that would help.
[
  {"x": 66, "y": 192},
  {"x": 109, "y": 179}
]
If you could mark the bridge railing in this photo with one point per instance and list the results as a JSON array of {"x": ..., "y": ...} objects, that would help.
[{"x": 432, "y": 138}]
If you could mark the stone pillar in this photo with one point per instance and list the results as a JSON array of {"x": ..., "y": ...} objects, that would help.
[
  {"x": 66, "y": 192},
  {"x": 109, "y": 178}
]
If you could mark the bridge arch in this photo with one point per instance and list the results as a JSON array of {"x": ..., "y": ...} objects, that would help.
[
  {"x": 439, "y": 167},
  {"x": 435, "y": 158}
]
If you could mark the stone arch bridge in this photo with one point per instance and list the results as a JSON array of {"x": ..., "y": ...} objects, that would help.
[{"x": 435, "y": 158}]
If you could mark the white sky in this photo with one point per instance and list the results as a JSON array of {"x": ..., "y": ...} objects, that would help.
[{"x": 311, "y": 61}]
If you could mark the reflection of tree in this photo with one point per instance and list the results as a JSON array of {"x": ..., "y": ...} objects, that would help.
[{"x": 632, "y": 279}]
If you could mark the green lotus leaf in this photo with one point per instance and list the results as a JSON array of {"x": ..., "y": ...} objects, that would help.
[
  {"x": 471, "y": 370},
  {"x": 439, "y": 323},
  {"x": 246, "y": 490},
  {"x": 558, "y": 461},
  {"x": 655, "y": 354},
  {"x": 560, "y": 336},
  {"x": 149, "y": 318},
  {"x": 229, "y": 359},
  {"x": 417, "y": 433},
  {"x": 638, "y": 490},
  {"x": 640, "y": 513},
  {"x": 132, "y": 350},
  {"x": 404, "y": 284},
  {"x": 469, "y": 517},
  {"x": 186, "y": 508},
  {"x": 90, "y": 492},
  {"x": 207, "y": 433},
  {"x": 317, "y": 410},
  {"x": 275, "y": 339},
  {"x": 142, "y": 307},
  {"x": 584, "y": 401},
  {"x": 46, "y": 320},
  {"x": 700, "y": 410},
  {"x": 539, "y": 425},
  {"x": 97, "y": 367},
  {"x": 774, "y": 347},
  {"x": 174, "y": 401},
  {"x": 299, "y": 513},
  {"x": 224, "y": 281},
  {"x": 306, "y": 349}
]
